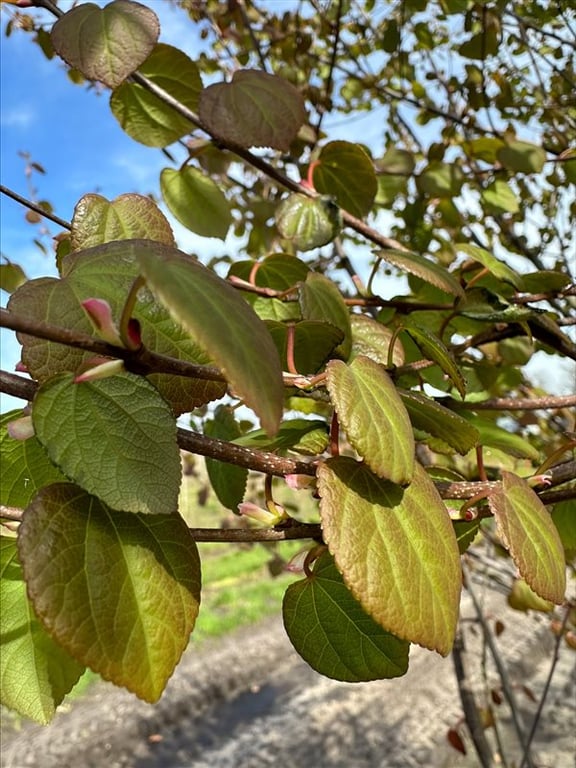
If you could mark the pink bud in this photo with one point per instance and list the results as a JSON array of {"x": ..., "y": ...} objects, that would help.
[
  {"x": 299, "y": 482},
  {"x": 134, "y": 334},
  {"x": 100, "y": 314},
  {"x": 296, "y": 563},
  {"x": 21, "y": 429},
  {"x": 265, "y": 516},
  {"x": 20, "y": 367}
]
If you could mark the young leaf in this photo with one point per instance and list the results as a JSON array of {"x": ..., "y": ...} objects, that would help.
[
  {"x": 221, "y": 322},
  {"x": 308, "y": 222},
  {"x": 441, "y": 422},
  {"x": 255, "y": 109},
  {"x": 433, "y": 348},
  {"x": 527, "y": 530},
  {"x": 97, "y": 221},
  {"x": 396, "y": 549},
  {"x": 196, "y": 201},
  {"x": 334, "y": 635},
  {"x": 346, "y": 172},
  {"x": 494, "y": 265},
  {"x": 373, "y": 415},
  {"x": 321, "y": 300},
  {"x": 144, "y": 116},
  {"x": 106, "y": 44},
  {"x": 115, "y": 437},
  {"x": 24, "y": 466},
  {"x": 227, "y": 480},
  {"x": 120, "y": 592},
  {"x": 12, "y": 276},
  {"x": 35, "y": 672},
  {"x": 423, "y": 268},
  {"x": 372, "y": 339}
]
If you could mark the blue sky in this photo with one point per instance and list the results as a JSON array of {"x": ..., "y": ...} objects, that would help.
[{"x": 71, "y": 132}]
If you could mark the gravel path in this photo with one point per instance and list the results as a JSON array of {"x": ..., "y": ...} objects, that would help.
[{"x": 250, "y": 702}]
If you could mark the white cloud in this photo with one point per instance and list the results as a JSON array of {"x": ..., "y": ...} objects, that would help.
[{"x": 18, "y": 117}]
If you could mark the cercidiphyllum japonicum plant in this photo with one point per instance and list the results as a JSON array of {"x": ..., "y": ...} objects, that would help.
[{"x": 100, "y": 569}]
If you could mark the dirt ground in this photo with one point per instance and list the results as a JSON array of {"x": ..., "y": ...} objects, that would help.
[{"x": 249, "y": 701}]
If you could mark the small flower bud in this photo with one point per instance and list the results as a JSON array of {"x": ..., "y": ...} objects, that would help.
[
  {"x": 100, "y": 314},
  {"x": 101, "y": 371},
  {"x": 21, "y": 429},
  {"x": 267, "y": 517}
]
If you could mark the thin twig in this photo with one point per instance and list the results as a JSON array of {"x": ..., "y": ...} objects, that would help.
[{"x": 34, "y": 207}]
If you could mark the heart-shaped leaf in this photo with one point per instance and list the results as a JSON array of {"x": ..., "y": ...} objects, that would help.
[
  {"x": 526, "y": 528},
  {"x": 334, "y": 635},
  {"x": 35, "y": 672},
  {"x": 196, "y": 201},
  {"x": 24, "y": 466},
  {"x": 106, "y": 44},
  {"x": 374, "y": 417},
  {"x": 97, "y": 220},
  {"x": 254, "y": 110},
  {"x": 346, "y": 172},
  {"x": 115, "y": 437},
  {"x": 120, "y": 592},
  {"x": 222, "y": 323},
  {"x": 423, "y": 268},
  {"x": 308, "y": 222},
  {"x": 142, "y": 114},
  {"x": 396, "y": 549}
]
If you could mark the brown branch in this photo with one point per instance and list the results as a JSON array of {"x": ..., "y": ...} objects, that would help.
[
  {"x": 515, "y": 403},
  {"x": 34, "y": 207}
]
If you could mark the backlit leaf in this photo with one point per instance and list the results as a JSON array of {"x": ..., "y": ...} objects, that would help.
[
  {"x": 500, "y": 198},
  {"x": 255, "y": 109},
  {"x": 24, "y": 466},
  {"x": 196, "y": 201},
  {"x": 423, "y": 268},
  {"x": 441, "y": 422},
  {"x": 300, "y": 435},
  {"x": 440, "y": 179},
  {"x": 346, "y": 172},
  {"x": 106, "y": 44},
  {"x": 11, "y": 277},
  {"x": 396, "y": 162},
  {"x": 434, "y": 349},
  {"x": 334, "y": 635},
  {"x": 35, "y": 672},
  {"x": 526, "y": 528},
  {"x": 222, "y": 323},
  {"x": 321, "y": 300},
  {"x": 372, "y": 339},
  {"x": 115, "y": 437},
  {"x": 278, "y": 271},
  {"x": 396, "y": 549},
  {"x": 308, "y": 222},
  {"x": 142, "y": 114},
  {"x": 371, "y": 412},
  {"x": 120, "y": 592},
  {"x": 494, "y": 265},
  {"x": 314, "y": 342},
  {"x": 522, "y": 157},
  {"x": 522, "y": 598},
  {"x": 97, "y": 221}
]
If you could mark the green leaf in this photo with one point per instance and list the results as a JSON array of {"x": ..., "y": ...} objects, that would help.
[
  {"x": 334, "y": 635},
  {"x": 434, "y": 349},
  {"x": 527, "y": 530},
  {"x": 222, "y": 323},
  {"x": 373, "y": 415},
  {"x": 24, "y": 466},
  {"x": 441, "y": 422},
  {"x": 545, "y": 280},
  {"x": 564, "y": 518},
  {"x": 466, "y": 532},
  {"x": 300, "y": 435},
  {"x": 321, "y": 300},
  {"x": 396, "y": 162},
  {"x": 227, "y": 480},
  {"x": 346, "y": 172},
  {"x": 196, "y": 201},
  {"x": 493, "y": 436},
  {"x": 494, "y": 265},
  {"x": 499, "y": 198},
  {"x": 423, "y": 268},
  {"x": 396, "y": 549},
  {"x": 440, "y": 179},
  {"x": 255, "y": 109},
  {"x": 97, "y": 221},
  {"x": 279, "y": 271},
  {"x": 12, "y": 276},
  {"x": 120, "y": 592},
  {"x": 522, "y": 157},
  {"x": 372, "y": 339},
  {"x": 522, "y": 598},
  {"x": 308, "y": 222},
  {"x": 35, "y": 672},
  {"x": 483, "y": 148},
  {"x": 314, "y": 342},
  {"x": 143, "y": 115},
  {"x": 106, "y": 44},
  {"x": 114, "y": 437}
]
